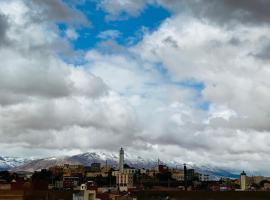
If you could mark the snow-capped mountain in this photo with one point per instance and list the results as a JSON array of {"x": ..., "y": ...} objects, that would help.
[
  {"x": 19, "y": 164},
  {"x": 85, "y": 159},
  {"x": 7, "y": 163},
  {"x": 112, "y": 159},
  {"x": 215, "y": 172}
]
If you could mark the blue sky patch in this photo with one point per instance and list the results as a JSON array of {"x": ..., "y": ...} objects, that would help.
[{"x": 131, "y": 29}]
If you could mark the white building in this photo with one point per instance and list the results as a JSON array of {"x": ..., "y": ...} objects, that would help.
[
  {"x": 204, "y": 177},
  {"x": 243, "y": 181}
]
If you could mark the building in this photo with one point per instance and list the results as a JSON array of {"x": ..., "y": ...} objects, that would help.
[
  {"x": 56, "y": 170},
  {"x": 70, "y": 182},
  {"x": 256, "y": 179},
  {"x": 151, "y": 172},
  {"x": 92, "y": 174},
  {"x": 84, "y": 194},
  {"x": 142, "y": 171},
  {"x": 162, "y": 168},
  {"x": 121, "y": 160},
  {"x": 266, "y": 186},
  {"x": 124, "y": 177},
  {"x": 97, "y": 170},
  {"x": 243, "y": 181},
  {"x": 58, "y": 184},
  {"x": 204, "y": 177},
  {"x": 124, "y": 180},
  {"x": 178, "y": 175},
  {"x": 190, "y": 174},
  {"x": 73, "y": 170}
]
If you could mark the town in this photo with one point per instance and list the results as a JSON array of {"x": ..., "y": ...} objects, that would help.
[{"x": 104, "y": 182}]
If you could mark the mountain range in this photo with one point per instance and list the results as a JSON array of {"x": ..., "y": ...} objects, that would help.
[{"x": 31, "y": 165}]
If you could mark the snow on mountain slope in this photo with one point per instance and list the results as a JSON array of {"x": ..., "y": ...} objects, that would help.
[
  {"x": 7, "y": 163},
  {"x": 112, "y": 159},
  {"x": 20, "y": 164},
  {"x": 44, "y": 163}
]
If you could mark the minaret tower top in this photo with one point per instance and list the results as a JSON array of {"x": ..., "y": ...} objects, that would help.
[{"x": 121, "y": 160}]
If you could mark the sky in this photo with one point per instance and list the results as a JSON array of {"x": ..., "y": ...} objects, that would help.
[{"x": 183, "y": 80}]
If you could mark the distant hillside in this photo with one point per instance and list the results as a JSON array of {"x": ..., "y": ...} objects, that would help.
[
  {"x": 20, "y": 164},
  {"x": 7, "y": 163}
]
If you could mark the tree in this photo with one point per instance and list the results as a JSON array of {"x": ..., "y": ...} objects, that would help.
[
  {"x": 43, "y": 175},
  {"x": 111, "y": 180},
  {"x": 6, "y": 176},
  {"x": 126, "y": 166}
]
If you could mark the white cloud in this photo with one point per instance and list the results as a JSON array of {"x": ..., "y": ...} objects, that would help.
[
  {"x": 43, "y": 99},
  {"x": 109, "y": 34},
  {"x": 121, "y": 9},
  {"x": 71, "y": 34},
  {"x": 234, "y": 84},
  {"x": 123, "y": 98},
  {"x": 231, "y": 76}
]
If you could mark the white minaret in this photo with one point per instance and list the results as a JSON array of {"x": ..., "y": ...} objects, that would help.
[
  {"x": 121, "y": 160},
  {"x": 243, "y": 181}
]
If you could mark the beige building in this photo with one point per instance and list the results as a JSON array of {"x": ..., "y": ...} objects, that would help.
[
  {"x": 124, "y": 179},
  {"x": 68, "y": 170},
  {"x": 124, "y": 176},
  {"x": 92, "y": 174},
  {"x": 243, "y": 181},
  {"x": 104, "y": 172},
  {"x": 178, "y": 175},
  {"x": 151, "y": 172}
]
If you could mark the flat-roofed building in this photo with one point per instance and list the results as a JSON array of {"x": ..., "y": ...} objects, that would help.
[
  {"x": 178, "y": 175},
  {"x": 204, "y": 177},
  {"x": 124, "y": 176}
]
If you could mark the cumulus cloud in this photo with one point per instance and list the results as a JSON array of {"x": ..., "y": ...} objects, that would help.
[
  {"x": 42, "y": 95},
  {"x": 192, "y": 90},
  {"x": 223, "y": 12},
  {"x": 234, "y": 80},
  {"x": 249, "y": 12},
  {"x": 122, "y": 9},
  {"x": 55, "y": 10}
]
